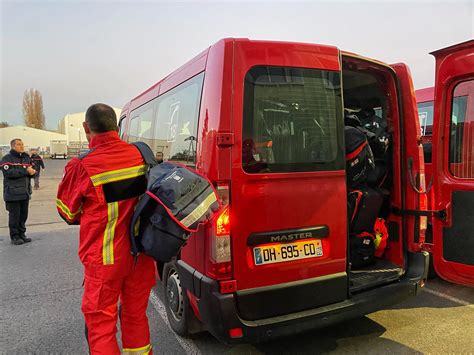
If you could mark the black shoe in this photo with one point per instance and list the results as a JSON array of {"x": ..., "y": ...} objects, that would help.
[
  {"x": 17, "y": 241},
  {"x": 25, "y": 239}
]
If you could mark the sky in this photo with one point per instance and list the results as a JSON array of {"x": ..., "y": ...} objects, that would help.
[{"x": 78, "y": 53}]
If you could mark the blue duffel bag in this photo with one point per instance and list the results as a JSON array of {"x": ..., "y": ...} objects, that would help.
[{"x": 177, "y": 200}]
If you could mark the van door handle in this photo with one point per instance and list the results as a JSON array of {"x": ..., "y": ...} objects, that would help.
[{"x": 412, "y": 179}]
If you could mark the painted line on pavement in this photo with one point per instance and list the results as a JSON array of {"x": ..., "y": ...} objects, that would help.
[
  {"x": 188, "y": 346},
  {"x": 448, "y": 297},
  {"x": 38, "y": 224}
]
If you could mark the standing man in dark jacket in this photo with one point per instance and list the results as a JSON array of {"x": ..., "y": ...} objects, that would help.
[
  {"x": 17, "y": 173},
  {"x": 38, "y": 164}
]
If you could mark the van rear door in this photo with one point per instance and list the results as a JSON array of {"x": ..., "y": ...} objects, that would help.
[
  {"x": 288, "y": 190},
  {"x": 414, "y": 202},
  {"x": 453, "y": 163}
]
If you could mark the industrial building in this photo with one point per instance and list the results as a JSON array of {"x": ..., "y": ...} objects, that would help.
[
  {"x": 70, "y": 130},
  {"x": 71, "y": 126},
  {"x": 31, "y": 137}
]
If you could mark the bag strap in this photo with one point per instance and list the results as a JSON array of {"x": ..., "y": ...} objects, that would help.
[
  {"x": 146, "y": 153},
  {"x": 150, "y": 160}
]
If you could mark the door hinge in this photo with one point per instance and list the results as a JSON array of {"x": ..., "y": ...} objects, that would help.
[
  {"x": 225, "y": 139},
  {"x": 427, "y": 213}
]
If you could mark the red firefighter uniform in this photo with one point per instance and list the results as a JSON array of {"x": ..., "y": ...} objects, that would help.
[{"x": 99, "y": 191}]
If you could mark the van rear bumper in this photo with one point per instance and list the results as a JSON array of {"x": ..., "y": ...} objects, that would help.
[{"x": 219, "y": 311}]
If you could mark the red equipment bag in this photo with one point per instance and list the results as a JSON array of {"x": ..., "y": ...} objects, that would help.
[{"x": 381, "y": 237}]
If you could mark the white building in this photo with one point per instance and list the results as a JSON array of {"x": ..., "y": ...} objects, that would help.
[
  {"x": 71, "y": 126},
  {"x": 31, "y": 137}
]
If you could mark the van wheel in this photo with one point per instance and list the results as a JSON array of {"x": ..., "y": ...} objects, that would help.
[{"x": 178, "y": 310}]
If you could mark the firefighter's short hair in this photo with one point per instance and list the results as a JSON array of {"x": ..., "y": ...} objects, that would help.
[
  {"x": 101, "y": 118},
  {"x": 13, "y": 142}
]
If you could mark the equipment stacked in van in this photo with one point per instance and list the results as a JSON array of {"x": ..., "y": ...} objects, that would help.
[{"x": 367, "y": 159}]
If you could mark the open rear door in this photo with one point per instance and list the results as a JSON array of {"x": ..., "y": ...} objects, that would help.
[
  {"x": 453, "y": 163},
  {"x": 413, "y": 173}
]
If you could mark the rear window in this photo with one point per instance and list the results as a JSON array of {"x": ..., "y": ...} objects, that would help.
[
  {"x": 461, "y": 152},
  {"x": 292, "y": 120}
]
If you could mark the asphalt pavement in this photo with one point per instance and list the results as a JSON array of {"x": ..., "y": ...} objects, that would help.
[{"x": 41, "y": 291}]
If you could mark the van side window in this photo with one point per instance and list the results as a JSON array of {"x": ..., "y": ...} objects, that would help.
[
  {"x": 292, "y": 120},
  {"x": 176, "y": 122},
  {"x": 133, "y": 131},
  {"x": 141, "y": 124},
  {"x": 461, "y": 143},
  {"x": 121, "y": 126}
]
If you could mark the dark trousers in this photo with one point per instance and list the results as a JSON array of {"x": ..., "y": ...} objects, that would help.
[
  {"x": 37, "y": 179},
  {"x": 17, "y": 215}
]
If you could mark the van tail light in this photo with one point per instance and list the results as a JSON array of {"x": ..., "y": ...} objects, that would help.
[
  {"x": 221, "y": 241},
  {"x": 223, "y": 223},
  {"x": 220, "y": 260}
]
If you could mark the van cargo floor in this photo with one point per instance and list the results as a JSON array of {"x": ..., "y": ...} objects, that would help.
[{"x": 380, "y": 273}]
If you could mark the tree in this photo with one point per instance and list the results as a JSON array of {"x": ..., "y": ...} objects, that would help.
[
  {"x": 33, "y": 109},
  {"x": 4, "y": 124}
]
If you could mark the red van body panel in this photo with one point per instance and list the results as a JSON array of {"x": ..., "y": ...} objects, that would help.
[
  {"x": 453, "y": 236},
  {"x": 413, "y": 178},
  {"x": 425, "y": 94}
]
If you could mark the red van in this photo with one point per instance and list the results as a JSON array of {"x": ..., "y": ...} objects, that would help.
[
  {"x": 264, "y": 121},
  {"x": 447, "y": 115}
]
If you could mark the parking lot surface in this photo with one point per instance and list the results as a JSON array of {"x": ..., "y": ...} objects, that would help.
[{"x": 41, "y": 290}]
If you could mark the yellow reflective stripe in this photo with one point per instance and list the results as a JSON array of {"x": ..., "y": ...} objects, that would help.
[
  {"x": 138, "y": 351},
  {"x": 62, "y": 206},
  {"x": 199, "y": 210},
  {"x": 117, "y": 175},
  {"x": 109, "y": 233}
]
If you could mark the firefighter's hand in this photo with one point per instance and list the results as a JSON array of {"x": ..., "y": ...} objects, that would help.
[{"x": 30, "y": 170}]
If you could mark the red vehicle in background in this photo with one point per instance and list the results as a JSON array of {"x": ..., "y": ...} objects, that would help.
[
  {"x": 446, "y": 114},
  {"x": 264, "y": 121}
]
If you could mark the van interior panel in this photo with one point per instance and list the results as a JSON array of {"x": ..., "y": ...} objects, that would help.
[{"x": 367, "y": 87}]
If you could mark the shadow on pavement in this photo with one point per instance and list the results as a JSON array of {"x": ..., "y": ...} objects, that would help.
[{"x": 348, "y": 337}]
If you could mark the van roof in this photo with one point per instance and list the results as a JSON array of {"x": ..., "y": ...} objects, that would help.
[
  {"x": 453, "y": 48},
  {"x": 425, "y": 94}
]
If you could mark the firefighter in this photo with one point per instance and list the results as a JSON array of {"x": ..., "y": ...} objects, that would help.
[
  {"x": 17, "y": 173},
  {"x": 99, "y": 191},
  {"x": 38, "y": 164}
]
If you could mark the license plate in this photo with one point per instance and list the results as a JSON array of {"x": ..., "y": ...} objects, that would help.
[{"x": 287, "y": 252}]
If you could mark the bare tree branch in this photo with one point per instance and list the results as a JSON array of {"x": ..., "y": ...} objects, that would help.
[{"x": 33, "y": 109}]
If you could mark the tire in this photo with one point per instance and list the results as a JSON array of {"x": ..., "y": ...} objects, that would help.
[{"x": 180, "y": 315}]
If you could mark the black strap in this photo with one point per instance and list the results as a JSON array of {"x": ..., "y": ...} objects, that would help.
[
  {"x": 146, "y": 153},
  {"x": 150, "y": 160},
  {"x": 428, "y": 213}
]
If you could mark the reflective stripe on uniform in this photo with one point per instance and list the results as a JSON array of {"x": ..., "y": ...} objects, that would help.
[
  {"x": 117, "y": 175},
  {"x": 109, "y": 233},
  {"x": 62, "y": 206},
  {"x": 138, "y": 351},
  {"x": 199, "y": 211}
]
